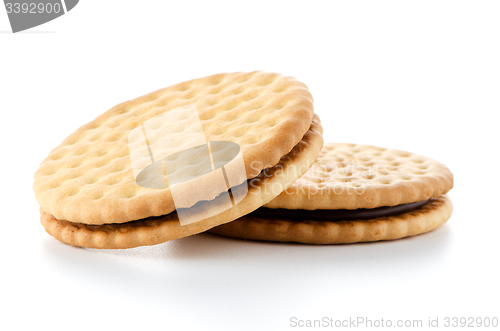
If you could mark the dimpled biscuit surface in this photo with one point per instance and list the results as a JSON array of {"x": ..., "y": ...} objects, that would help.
[
  {"x": 351, "y": 176},
  {"x": 89, "y": 179}
]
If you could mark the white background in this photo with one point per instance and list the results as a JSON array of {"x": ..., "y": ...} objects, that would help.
[{"x": 422, "y": 76}]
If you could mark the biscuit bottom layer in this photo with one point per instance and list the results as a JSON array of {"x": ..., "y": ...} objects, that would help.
[
  {"x": 334, "y": 215},
  {"x": 430, "y": 216}
]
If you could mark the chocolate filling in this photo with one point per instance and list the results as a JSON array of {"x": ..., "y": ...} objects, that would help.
[{"x": 337, "y": 214}]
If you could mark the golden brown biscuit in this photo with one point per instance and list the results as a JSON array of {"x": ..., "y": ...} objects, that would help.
[
  {"x": 89, "y": 179},
  {"x": 351, "y": 176},
  {"x": 353, "y": 181},
  {"x": 154, "y": 230}
]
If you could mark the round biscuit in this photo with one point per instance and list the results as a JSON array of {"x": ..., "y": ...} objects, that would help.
[
  {"x": 350, "y": 176},
  {"x": 88, "y": 178},
  {"x": 154, "y": 230}
]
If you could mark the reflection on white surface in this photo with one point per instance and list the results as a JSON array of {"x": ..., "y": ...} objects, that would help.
[{"x": 218, "y": 278}]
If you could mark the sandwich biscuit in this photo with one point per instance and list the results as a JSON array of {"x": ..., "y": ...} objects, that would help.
[
  {"x": 353, "y": 193},
  {"x": 89, "y": 185}
]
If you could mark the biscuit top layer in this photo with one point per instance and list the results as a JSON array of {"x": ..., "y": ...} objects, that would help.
[
  {"x": 350, "y": 176},
  {"x": 88, "y": 178}
]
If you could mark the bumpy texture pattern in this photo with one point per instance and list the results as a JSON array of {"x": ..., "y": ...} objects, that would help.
[
  {"x": 261, "y": 189},
  {"x": 434, "y": 214},
  {"x": 350, "y": 176},
  {"x": 88, "y": 178}
]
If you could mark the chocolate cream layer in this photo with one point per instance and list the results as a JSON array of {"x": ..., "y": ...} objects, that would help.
[{"x": 333, "y": 215}]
